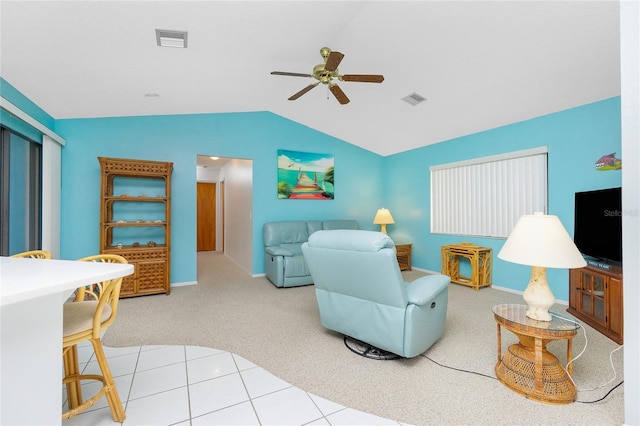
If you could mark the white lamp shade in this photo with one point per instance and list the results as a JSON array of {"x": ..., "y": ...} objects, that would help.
[
  {"x": 383, "y": 217},
  {"x": 541, "y": 240}
]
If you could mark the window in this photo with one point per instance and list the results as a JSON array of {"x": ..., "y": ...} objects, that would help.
[
  {"x": 486, "y": 196},
  {"x": 20, "y": 193}
]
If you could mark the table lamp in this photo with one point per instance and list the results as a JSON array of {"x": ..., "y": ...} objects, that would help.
[
  {"x": 383, "y": 216},
  {"x": 542, "y": 242}
]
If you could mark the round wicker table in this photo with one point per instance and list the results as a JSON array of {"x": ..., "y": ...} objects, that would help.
[{"x": 527, "y": 367}]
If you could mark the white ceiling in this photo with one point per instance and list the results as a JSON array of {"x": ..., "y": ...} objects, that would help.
[
  {"x": 211, "y": 163},
  {"x": 480, "y": 64}
]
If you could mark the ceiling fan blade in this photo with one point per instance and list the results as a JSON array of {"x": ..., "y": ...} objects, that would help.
[
  {"x": 303, "y": 91},
  {"x": 292, "y": 74},
  {"x": 333, "y": 61},
  {"x": 339, "y": 94},
  {"x": 363, "y": 78}
]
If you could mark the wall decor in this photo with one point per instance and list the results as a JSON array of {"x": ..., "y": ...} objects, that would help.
[
  {"x": 608, "y": 162},
  {"x": 305, "y": 175}
]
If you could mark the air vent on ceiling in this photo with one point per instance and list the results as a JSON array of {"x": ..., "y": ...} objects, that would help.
[
  {"x": 414, "y": 99},
  {"x": 171, "y": 38}
]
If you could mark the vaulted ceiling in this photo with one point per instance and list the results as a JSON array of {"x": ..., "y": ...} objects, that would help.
[{"x": 480, "y": 64}]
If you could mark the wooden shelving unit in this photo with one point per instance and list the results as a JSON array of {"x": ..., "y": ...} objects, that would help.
[{"x": 135, "y": 221}]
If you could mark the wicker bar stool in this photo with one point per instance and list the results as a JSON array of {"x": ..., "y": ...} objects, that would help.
[
  {"x": 91, "y": 312},
  {"x": 34, "y": 254}
]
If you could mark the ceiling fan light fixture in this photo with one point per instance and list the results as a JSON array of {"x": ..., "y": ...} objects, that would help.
[
  {"x": 326, "y": 72},
  {"x": 171, "y": 38},
  {"x": 414, "y": 99}
]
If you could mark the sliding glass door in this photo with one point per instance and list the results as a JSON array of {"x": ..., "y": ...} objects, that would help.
[{"x": 20, "y": 193}]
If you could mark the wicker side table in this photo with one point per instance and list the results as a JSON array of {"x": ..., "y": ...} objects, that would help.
[
  {"x": 479, "y": 257},
  {"x": 527, "y": 367},
  {"x": 403, "y": 253}
]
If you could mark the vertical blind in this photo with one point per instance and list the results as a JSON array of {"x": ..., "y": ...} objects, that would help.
[{"x": 486, "y": 196}]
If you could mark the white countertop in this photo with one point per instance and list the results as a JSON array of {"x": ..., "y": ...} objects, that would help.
[
  {"x": 22, "y": 279},
  {"x": 32, "y": 294}
]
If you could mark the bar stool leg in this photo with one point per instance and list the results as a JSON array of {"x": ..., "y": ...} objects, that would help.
[
  {"x": 115, "y": 404},
  {"x": 71, "y": 369}
]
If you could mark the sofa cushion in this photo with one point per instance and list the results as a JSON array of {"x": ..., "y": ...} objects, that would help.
[
  {"x": 342, "y": 239},
  {"x": 277, "y": 251},
  {"x": 339, "y": 224},
  {"x": 313, "y": 226},
  {"x": 275, "y": 233},
  {"x": 295, "y": 266},
  {"x": 294, "y": 248}
]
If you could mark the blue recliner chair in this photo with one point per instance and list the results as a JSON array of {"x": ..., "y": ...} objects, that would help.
[{"x": 361, "y": 292}]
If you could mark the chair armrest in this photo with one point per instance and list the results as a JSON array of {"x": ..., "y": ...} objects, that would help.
[
  {"x": 424, "y": 289},
  {"x": 277, "y": 251}
]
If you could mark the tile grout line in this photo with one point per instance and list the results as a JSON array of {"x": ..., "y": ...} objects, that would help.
[
  {"x": 186, "y": 372},
  {"x": 255, "y": 412},
  {"x": 133, "y": 377}
]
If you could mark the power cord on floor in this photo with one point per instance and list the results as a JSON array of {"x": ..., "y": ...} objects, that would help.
[
  {"x": 586, "y": 342},
  {"x": 606, "y": 395},
  {"x": 459, "y": 369}
]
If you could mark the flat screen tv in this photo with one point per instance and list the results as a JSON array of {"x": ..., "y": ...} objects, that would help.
[{"x": 598, "y": 224}]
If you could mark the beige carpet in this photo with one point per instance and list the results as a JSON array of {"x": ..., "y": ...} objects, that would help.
[{"x": 279, "y": 330}]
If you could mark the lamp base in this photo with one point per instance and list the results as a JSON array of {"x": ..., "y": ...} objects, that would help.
[
  {"x": 538, "y": 314},
  {"x": 538, "y": 295}
]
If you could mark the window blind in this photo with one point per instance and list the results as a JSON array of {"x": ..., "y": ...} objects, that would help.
[{"x": 486, "y": 196}]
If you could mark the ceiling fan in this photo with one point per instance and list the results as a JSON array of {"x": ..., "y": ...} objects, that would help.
[{"x": 326, "y": 72}]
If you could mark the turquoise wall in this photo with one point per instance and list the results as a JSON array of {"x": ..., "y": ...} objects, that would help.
[
  {"x": 179, "y": 139},
  {"x": 14, "y": 96},
  {"x": 576, "y": 139}
]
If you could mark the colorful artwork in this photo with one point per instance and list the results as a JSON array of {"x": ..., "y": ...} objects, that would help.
[
  {"x": 305, "y": 175},
  {"x": 609, "y": 162}
]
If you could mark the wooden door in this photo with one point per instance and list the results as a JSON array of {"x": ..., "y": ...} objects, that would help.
[
  {"x": 222, "y": 212},
  {"x": 206, "y": 200}
]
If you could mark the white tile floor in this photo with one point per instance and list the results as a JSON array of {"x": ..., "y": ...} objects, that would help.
[{"x": 190, "y": 385}]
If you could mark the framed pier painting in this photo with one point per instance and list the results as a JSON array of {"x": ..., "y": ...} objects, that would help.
[{"x": 305, "y": 175}]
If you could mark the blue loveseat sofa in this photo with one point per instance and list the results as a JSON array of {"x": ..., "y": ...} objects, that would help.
[{"x": 284, "y": 263}]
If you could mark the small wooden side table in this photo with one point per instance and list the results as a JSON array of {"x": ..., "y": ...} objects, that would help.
[
  {"x": 527, "y": 367},
  {"x": 479, "y": 257},
  {"x": 403, "y": 253}
]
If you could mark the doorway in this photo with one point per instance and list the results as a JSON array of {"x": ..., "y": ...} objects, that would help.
[{"x": 233, "y": 178}]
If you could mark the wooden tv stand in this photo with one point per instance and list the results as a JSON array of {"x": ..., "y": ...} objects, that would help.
[{"x": 595, "y": 297}]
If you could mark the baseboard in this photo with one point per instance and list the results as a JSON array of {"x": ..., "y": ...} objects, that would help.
[
  {"x": 510, "y": 290},
  {"x": 184, "y": 283},
  {"x": 426, "y": 271}
]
